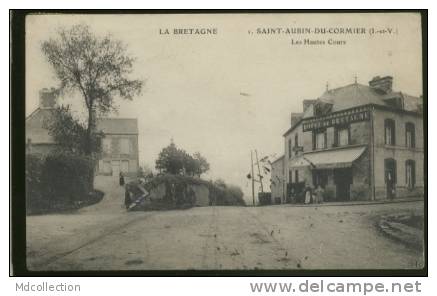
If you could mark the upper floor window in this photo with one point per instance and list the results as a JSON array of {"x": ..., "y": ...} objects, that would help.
[
  {"x": 410, "y": 173},
  {"x": 342, "y": 136},
  {"x": 289, "y": 148},
  {"x": 124, "y": 146},
  {"x": 319, "y": 139},
  {"x": 389, "y": 131},
  {"x": 106, "y": 145},
  {"x": 410, "y": 135}
]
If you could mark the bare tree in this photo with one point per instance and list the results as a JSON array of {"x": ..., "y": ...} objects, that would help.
[{"x": 97, "y": 67}]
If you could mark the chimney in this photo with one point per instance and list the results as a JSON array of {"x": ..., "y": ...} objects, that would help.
[
  {"x": 307, "y": 103},
  {"x": 382, "y": 84},
  {"x": 48, "y": 98}
]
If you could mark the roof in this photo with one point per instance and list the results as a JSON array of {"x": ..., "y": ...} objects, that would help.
[
  {"x": 118, "y": 126},
  {"x": 356, "y": 94},
  {"x": 35, "y": 128},
  {"x": 278, "y": 159},
  {"x": 293, "y": 126}
]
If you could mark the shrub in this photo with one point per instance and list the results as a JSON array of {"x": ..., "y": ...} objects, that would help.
[{"x": 59, "y": 181}]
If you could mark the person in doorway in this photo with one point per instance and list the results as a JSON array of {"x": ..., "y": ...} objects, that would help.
[
  {"x": 308, "y": 194},
  {"x": 319, "y": 194},
  {"x": 121, "y": 178},
  {"x": 292, "y": 196}
]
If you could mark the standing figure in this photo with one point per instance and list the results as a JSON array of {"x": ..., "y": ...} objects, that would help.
[
  {"x": 319, "y": 194},
  {"x": 307, "y": 194},
  {"x": 121, "y": 177}
]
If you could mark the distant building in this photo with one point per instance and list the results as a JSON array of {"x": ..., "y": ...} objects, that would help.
[
  {"x": 277, "y": 181},
  {"x": 119, "y": 144},
  {"x": 38, "y": 140},
  {"x": 358, "y": 142}
]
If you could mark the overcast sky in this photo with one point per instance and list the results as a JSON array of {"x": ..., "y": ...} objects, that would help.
[{"x": 225, "y": 94}]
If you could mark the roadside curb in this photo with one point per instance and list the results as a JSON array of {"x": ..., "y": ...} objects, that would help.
[{"x": 351, "y": 203}]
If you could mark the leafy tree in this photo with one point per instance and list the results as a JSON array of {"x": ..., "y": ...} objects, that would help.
[
  {"x": 172, "y": 160},
  {"x": 97, "y": 67},
  {"x": 69, "y": 132},
  {"x": 201, "y": 164}
]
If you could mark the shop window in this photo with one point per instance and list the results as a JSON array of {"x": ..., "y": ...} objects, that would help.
[
  {"x": 342, "y": 136},
  {"x": 320, "y": 177},
  {"x": 319, "y": 139},
  {"x": 410, "y": 137},
  {"x": 389, "y": 131},
  {"x": 289, "y": 148},
  {"x": 410, "y": 173}
]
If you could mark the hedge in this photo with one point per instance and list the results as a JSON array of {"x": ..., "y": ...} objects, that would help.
[
  {"x": 57, "y": 182},
  {"x": 179, "y": 196}
]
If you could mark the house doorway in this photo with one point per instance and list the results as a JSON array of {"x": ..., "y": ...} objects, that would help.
[
  {"x": 390, "y": 177},
  {"x": 115, "y": 165},
  {"x": 343, "y": 181}
]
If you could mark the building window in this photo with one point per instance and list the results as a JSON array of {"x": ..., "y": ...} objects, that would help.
[
  {"x": 342, "y": 136},
  {"x": 124, "y": 146},
  {"x": 290, "y": 175},
  {"x": 410, "y": 135},
  {"x": 296, "y": 176},
  {"x": 296, "y": 143},
  {"x": 289, "y": 148},
  {"x": 106, "y": 145},
  {"x": 319, "y": 139},
  {"x": 389, "y": 128},
  {"x": 125, "y": 166},
  {"x": 410, "y": 173},
  {"x": 107, "y": 167}
]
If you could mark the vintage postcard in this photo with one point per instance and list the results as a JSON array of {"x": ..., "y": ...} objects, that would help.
[{"x": 225, "y": 142}]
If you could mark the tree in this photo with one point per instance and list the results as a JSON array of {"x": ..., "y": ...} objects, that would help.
[
  {"x": 201, "y": 164},
  {"x": 97, "y": 67},
  {"x": 172, "y": 160},
  {"x": 69, "y": 132}
]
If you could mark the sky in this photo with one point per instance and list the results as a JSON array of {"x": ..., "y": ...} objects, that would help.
[{"x": 226, "y": 94}]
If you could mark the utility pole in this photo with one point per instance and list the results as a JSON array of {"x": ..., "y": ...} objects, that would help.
[
  {"x": 253, "y": 178},
  {"x": 259, "y": 171}
]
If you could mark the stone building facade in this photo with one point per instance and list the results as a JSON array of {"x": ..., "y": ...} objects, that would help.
[
  {"x": 358, "y": 142},
  {"x": 119, "y": 144}
]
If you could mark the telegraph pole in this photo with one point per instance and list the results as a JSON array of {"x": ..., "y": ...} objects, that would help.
[
  {"x": 253, "y": 180},
  {"x": 259, "y": 171}
]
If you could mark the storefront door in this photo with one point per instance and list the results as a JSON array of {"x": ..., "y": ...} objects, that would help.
[
  {"x": 343, "y": 180},
  {"x": 390, "y": 177}
]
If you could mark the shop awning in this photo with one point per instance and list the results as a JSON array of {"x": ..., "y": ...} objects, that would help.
[
  {"x": 299, "y": 162},
  {"x": 332, "y": 159}
]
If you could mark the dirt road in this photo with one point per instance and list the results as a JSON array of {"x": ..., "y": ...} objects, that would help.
[{"x": 106, "y": 237}]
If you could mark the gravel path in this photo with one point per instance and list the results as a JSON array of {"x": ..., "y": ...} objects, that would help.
[{"x": 106, "y": 237}]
